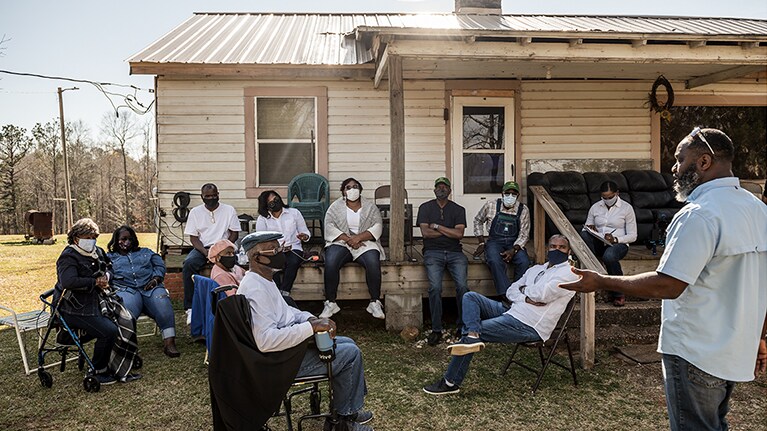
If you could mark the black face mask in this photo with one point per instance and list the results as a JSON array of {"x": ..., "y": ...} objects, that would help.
[
  {"x": 441, "y": 194},
  {"x": 274, "y": 205},
  {"x": 556, "y": 257},
  {"x": 276, "y": 262},
  {"x": 227, "y": 261},
  {"x": 211, "y": 202}
]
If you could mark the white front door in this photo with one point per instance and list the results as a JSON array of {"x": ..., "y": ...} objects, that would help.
[{"x": 483, "y": 151}]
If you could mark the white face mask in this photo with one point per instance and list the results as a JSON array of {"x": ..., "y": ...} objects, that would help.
[
  {"x": 353, "y": 194},
  {"x": 86, "y": 244},
  {"x": 509, "y": 200},
  {"x": 610, "y": 202}
]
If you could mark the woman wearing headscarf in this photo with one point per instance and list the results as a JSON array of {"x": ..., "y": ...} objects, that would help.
[
  {"x": 353, "y": 226},
  {"x": 138, "y": 275},
  {"x": 274, "y": 216},
  {"x": 86, "y": 302},
  {"x": 225, "y": 270}
]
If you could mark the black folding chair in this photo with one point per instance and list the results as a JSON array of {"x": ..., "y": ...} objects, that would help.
[{"x": 559, "y": 334}]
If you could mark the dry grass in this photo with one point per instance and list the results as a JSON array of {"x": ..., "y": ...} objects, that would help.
[{"x": 174, "y": 392}]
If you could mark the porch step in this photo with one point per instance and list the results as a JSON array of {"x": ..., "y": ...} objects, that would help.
[{"x": 634, "y": 313}]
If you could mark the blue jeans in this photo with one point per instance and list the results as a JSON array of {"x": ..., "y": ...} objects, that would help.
[
  {"x": 337, "y": 256},
  {"x": 489, "y": 319},
  {"x": 520, "y": 262},
  {"x": 285, "y": 279},
  {"x": 154, "y": 303},
  {"x": 610, "y": 255},
  {"x": 193, "y": 264},
  {"x": 103, "y": 329},
  {"x": 349, "y": 388},
  {"x": 436, "y": 261},
  {"x": 695, "y": 399}
]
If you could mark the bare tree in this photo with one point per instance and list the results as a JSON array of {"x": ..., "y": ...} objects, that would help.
[
  {"x": 14, "y": 145},
  {"x": 120, "y": 131}
]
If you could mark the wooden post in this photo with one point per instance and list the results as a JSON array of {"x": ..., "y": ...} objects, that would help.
[
  {"x": 397, "y": 153},
  {"x": 540, "y": 232},
  {"x": 67, "y": 189},
  {"x": 544, "y": 202}
]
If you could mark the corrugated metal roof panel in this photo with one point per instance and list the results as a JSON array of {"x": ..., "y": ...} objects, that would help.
[{"x": 328, "y": 39}]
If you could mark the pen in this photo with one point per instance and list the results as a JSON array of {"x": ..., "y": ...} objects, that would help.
[{"x": 613, "y": 231}]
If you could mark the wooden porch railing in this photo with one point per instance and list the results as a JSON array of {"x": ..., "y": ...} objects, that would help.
[{"x": 544, "y": 205}]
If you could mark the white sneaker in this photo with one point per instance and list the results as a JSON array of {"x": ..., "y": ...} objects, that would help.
[
  {"x": 330, "y": 309},
  {"x": 188, "y": 317},
  {"x": 376, "y": 310}
]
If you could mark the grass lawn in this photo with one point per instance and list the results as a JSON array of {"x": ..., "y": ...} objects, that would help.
[{"x": 173, "y": 394}]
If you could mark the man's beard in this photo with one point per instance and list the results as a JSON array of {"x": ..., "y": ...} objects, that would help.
[{"x": 686, "y": 183}]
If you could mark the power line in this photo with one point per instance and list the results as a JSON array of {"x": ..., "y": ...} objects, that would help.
[{"x": 130, "y": 101}]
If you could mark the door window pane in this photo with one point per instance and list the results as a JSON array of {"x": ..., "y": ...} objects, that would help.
[
  {"x": 284, "y": 118},
  {"x": 745, "y": 125},
  {"x": 482, "y": 173},
  {"x": 278, "y": 163},
  {"x": 483, "y": 128}
]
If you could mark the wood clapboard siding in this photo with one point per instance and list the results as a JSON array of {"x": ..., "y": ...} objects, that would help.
[{"x": 201, "y": 126}]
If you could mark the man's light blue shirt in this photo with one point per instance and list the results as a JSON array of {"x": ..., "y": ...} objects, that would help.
[{"x": 717, "y": 244}]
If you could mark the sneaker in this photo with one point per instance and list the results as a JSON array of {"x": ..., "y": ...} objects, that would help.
[
  {"x": 440, "y": 387},
  {"x": 105, "y": 379},
  {"x": 188, "y": 317},
  {"x": 330, "y": 309},
  {"x": 466, "y": 345},
  {"x": 434, "y": 338},
  {"x": 130, "y": 377},
  {"x": 362, "y": 416},
  {"x": 376, "y": 310}
]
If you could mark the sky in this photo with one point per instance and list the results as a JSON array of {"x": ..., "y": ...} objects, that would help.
[{"x": 88, "y": 39}]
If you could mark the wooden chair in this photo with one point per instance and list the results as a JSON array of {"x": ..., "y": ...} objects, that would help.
[
  {"x": 384, "y": 193},
  {"x": 559, "y": 334}
]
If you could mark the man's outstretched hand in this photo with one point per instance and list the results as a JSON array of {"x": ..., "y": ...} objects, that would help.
[{"x": 589, "y": 282}]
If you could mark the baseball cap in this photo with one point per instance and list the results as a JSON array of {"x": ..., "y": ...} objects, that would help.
[
  {"x": 510, "y": 185},
  {"x": 442, "y": 180}
]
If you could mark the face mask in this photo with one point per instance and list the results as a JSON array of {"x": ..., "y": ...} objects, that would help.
[
  {"x": 610, "y": 202},
  {"x": 227, "y": 261},
  {"x": 556, "y": 257},
  {"x": 509, "y": 200},
  {"x": 86, "y": 244},
  {"x": 124, "y": 245},
  {"x": 276, "y": 262},
  {"x": 211, "y": 202},
  {"x": 274, "y": 205},
  {"x": 441, "y": 194},
  {"x": 352, "y": 194}
]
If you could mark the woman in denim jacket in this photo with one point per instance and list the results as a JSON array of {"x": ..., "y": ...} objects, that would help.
[{"x": 138, "y": 276}]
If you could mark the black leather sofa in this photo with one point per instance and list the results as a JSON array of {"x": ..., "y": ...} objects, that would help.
[{"x": 649, "y": 192}]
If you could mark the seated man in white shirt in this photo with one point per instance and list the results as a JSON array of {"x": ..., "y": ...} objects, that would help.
[
  {"x": 205, "y": 225},
  {"x": 278, "y": 326},
  {"x": 536, "y": 306}
]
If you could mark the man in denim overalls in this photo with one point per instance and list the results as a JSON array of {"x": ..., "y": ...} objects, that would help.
[{"x": 508, "y": 226}]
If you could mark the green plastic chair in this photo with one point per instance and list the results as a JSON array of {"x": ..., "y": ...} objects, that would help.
[{"x": 310, "y": 194}]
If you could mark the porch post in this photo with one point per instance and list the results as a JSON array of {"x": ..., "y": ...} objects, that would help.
[{"x": 397, "y": 156}]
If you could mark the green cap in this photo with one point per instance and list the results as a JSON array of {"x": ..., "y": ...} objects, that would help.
[
  {"x": 442, "y": 180},
  {"x": 510, "y": 185}
]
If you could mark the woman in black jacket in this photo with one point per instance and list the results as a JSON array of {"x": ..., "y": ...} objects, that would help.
[{"x": 83, "y": 270}]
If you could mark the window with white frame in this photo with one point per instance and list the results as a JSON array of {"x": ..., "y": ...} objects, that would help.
[{"x": 285, "y": 138}]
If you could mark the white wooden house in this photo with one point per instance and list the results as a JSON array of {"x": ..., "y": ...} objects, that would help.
[{"x": 247, "y": 100}]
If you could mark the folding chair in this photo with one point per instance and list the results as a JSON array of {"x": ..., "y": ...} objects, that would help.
[
  {"x": 559, "y": 334},
  {"x": 145, "y": 321},
  {"x": 383, "y": 193},
  {"x": 25, "y": 322}
]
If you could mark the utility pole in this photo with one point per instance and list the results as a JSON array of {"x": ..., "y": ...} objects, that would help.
[{"x": 67, "y": 189}]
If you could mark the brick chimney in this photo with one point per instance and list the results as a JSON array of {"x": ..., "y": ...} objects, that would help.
[{"x": 482, "y": 7}]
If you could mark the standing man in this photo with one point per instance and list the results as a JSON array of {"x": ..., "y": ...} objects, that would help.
[
  {"x": 206, "y": 224},
  {"x": 613, "y": 219},
  {"x": 508, "y": 228},
  {"x": 712, "y": 280},
  {"x": 442, "y": 223}
]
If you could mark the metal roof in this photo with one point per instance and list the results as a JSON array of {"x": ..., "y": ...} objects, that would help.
[{"x": 329, "y": 39}]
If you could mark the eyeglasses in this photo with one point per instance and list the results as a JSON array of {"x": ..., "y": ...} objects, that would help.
[
  {"x": 275, "y": 251},
  {"x": 212, "y": 217},
  {"x": 699, "y": 133}
]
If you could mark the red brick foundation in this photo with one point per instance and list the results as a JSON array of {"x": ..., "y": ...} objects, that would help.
[{"x": 175, "y": 285}]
